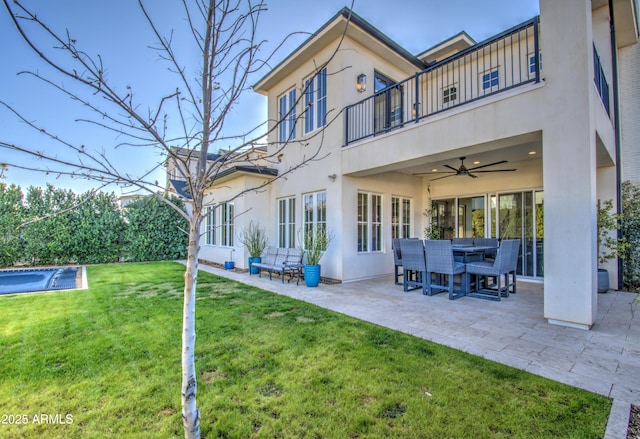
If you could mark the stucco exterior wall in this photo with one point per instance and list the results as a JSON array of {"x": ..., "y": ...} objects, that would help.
[{"x": 629, "y": 68}]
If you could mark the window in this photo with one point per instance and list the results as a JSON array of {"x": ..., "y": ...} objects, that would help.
[
  {"x": 315, "y": 101},
  {"x": 490, "y": 80},
  {"x": 532, "y": 64},
  {"x": 287, "y": 116},
  {"x": 210, "y": 226},
  {"x": 287, "y": 223},
  {"x": 369, "y": 222},
  {"x": 449, "y": 95},
  {"x": 226, "y": 235},
  {"x": 388, "y": 103},
  {"x": 400, "y": 217},
  {"x": 315, "y": 212}
]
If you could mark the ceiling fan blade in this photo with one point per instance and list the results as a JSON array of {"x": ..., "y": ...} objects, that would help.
[
  {"x": 439, "y": 178},
  {"x": 471, "y": 175},
  {"x": 451, "y": 167},
  {"x": 498, "y": 170},
  {"x": 437, "y": 172},
  {"x": 490, "y": 164}
]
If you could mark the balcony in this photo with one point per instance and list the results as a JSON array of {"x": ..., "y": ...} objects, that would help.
[{"x": 501, "y": 63}]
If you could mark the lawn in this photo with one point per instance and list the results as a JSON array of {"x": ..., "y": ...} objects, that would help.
[{"x": 105, "y": 362}]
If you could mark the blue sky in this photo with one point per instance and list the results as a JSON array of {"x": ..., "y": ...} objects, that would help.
[{"x": 116, "y": 30}]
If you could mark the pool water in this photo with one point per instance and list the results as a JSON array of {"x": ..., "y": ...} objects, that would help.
[{"x": 40, "y": 279}]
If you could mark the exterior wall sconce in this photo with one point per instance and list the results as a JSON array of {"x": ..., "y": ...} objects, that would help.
[
  {"x": 361, "y": 83},
  {"x": 332, "y": 177}
]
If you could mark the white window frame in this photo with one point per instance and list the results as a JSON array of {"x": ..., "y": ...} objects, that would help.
[
  {"x": 210, "y": 226},
  {"x": 287, "y": 116},
  {"x": 315, "y": 101},
  {"x": 227, "y": 219},
  {"x": 314, "y": 212},
  {"x": 287, "y": 222},
  {"x": 401, "y": 215},
  {"x": 370, "y": 222}
]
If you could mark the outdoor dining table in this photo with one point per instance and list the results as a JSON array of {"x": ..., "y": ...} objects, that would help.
[{"x": 471, "y": 253}]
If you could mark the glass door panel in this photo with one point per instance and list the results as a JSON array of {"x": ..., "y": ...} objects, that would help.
[
  {"x": 444, "y": 217},
  {"x": 539, "y": 207},
  {"x": 471, "y": 216},
  {"x": 510, "y": 220}
]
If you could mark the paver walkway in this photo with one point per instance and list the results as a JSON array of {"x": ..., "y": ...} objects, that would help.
[{"x": 513, "y": 331}]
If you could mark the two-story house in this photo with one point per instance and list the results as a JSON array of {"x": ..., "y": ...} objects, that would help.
[{"x": 531, "y": 110}]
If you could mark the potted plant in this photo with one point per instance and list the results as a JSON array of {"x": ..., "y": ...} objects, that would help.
[
  {"x": 229, "y": 265},
  {"x": 609, "y": 246},
  {"x": 316, "y": 241},
  {"x": 254, "y": 238}
]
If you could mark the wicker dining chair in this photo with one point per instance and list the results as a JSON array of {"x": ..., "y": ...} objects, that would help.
[
  {"x": 414, "y": 265},
  {"x": 397, "y": 261},
  {"x": 502, "y": 266},
  {"x": 440, "y": 262}
]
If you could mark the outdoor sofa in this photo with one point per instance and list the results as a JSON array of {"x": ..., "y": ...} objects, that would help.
[{"x": 280, "y": 260}]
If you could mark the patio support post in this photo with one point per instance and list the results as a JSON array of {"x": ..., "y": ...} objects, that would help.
[{"x": 569, "y": 166}]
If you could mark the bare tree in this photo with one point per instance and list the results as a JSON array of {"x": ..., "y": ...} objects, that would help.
[{"x": 225, "y": 32}]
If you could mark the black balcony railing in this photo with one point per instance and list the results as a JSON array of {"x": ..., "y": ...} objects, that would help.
[
  {"x": 500, "y": 63},
  {"x": 600, "y": 80}
]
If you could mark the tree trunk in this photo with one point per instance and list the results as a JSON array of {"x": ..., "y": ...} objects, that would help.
[{"x": 190, "y": 412}]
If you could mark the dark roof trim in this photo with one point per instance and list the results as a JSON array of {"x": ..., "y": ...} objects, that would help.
[
  {"x": 260, "y": 170},
  {"x": 366, "y": 26},
  {"x": 181, "y": 187}
]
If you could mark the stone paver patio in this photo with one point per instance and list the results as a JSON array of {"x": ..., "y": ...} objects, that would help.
[{"x": 513, "y": 331}]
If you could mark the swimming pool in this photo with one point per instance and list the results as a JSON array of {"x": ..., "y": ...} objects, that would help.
[{"x": 37, "y": 279}]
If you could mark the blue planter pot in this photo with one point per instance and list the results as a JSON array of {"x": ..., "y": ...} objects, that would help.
[
  {"x": 252, "y": 269},
  {"x": 312, "y": 275},
  {"x": 229, "y": 265}
]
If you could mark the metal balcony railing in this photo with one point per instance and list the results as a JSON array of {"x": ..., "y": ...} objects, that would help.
[{"x": 500, "y": 63}]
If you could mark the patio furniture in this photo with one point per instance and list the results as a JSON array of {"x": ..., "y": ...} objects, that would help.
[
  {"x": 501, "y": 266},
  {"x": 397, "y": 260},
  {"x": 439, "y": 254},
  {"x": 414, "y": 265},
  {"x": 462, "y": 241},
  {"x": 488, "y": 242},
  {"x": 280, "y": 260}
]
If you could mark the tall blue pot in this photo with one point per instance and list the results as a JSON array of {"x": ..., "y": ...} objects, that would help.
[
  {"x": 252, "y": 269},
  {"x": 312, "y": 275}
]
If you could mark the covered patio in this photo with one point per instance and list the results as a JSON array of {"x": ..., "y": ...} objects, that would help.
[{"x": 604, "y": 360}]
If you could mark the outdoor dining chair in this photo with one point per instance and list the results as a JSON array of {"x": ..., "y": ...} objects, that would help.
[
  {"x": 397, "y": 260},
  {"x": 440, "y": 262},
  {"x": 414, "y": 265},
  {"x": 487, "y": 242},
  {"x": 501, "y": 266}
]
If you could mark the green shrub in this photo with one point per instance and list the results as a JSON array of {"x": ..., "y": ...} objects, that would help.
[
  {"x": 631, "y": 231},
  {"x": 155, "y": 231},
  {"x": 12, "y": 215}
]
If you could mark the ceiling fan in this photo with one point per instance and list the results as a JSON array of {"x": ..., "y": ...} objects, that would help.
[{"x": 463, "y": 170}]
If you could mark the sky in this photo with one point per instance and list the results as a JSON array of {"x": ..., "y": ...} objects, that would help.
[{"x": 116, "y": 31}]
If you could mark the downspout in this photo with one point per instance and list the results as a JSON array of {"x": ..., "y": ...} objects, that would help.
[{"x": 616, "y": 120}]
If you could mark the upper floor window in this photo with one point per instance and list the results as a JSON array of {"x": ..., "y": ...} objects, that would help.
[
  {"x": 532, "y": 64},
  {"x": 449, "y": 95},
  {"x": 287, "y": 222},
  {"x": 210, "y": 226},
  {"x": 369, "y": 222},
  {"x": 287, "y": 116},
  {"x": 315, "y": 101},
  {"x": 490, "y": 80},
  {"x": 380, "y": 81},
  {"x": 227, "y": 220}
]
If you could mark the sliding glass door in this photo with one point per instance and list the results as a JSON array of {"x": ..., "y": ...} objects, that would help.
[{"x": 514, "y": 215}]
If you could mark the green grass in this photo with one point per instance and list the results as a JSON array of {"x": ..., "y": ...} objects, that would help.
[{"x": 268, "y": 366}]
